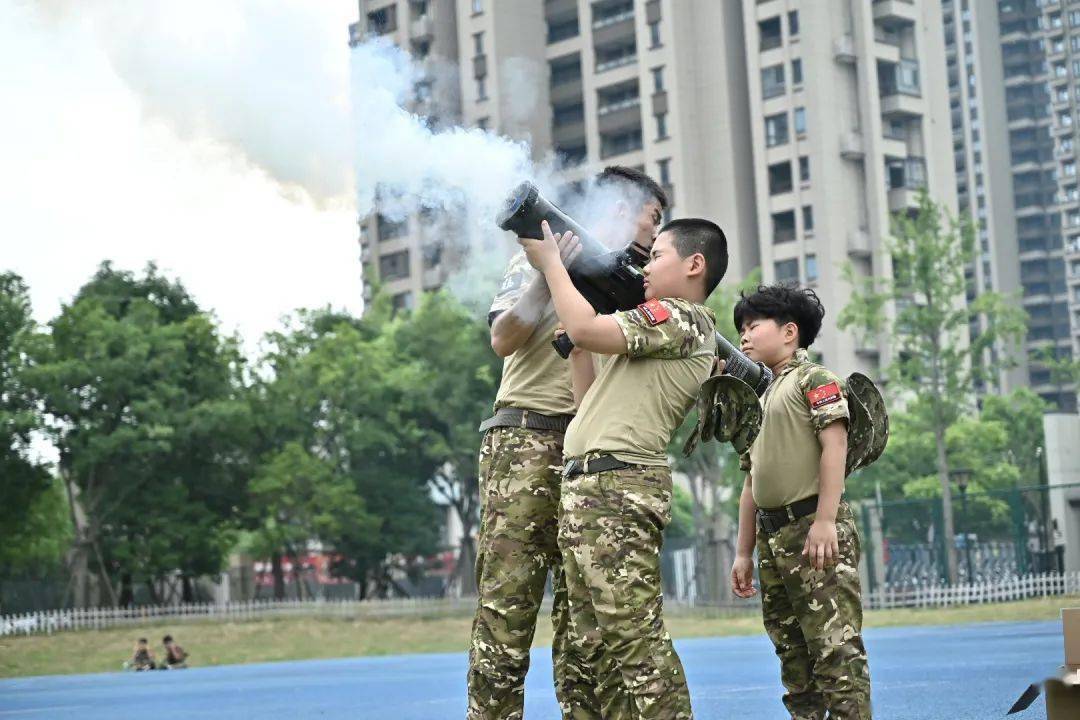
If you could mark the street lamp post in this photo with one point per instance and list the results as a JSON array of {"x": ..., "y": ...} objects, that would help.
[{"x": 962, "y": 476}]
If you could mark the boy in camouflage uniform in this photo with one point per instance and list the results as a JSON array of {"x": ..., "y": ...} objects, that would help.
[
  {"x": 616, "y": 494},
  {"x": 791, "y": 508},
  {"x": 520, "y": 464}
]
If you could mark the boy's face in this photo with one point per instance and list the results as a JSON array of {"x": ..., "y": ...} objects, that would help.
[
  {"x": 768, "y": 341},
  {"x": 666, "y": 273},
  {"x": 647, "y": 223}
]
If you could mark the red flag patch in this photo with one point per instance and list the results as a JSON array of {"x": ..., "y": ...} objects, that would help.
[
  {"x": 823, "y": 395},
  {"x": 654, "y": 311}
]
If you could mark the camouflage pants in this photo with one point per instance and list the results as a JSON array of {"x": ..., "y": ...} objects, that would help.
[
  {"x": 520, "y": 479},
  {"x": 610, "y": 532},
  {"x": 814, "y": 619}
]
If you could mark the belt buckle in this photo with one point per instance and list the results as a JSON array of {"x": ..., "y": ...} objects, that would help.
[
  {"x": 790, "y": 513},
  {"x": 525, "y": 419}
]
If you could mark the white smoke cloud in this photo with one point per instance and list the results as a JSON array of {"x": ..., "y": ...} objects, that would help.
[
  {"x": 268, "y": 78},
  {"x": 90, "y": 173},
  {"x": 403, "y": 166}
]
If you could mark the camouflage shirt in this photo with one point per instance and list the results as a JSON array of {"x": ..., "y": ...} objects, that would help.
[
  {"x": 535, "y": 377},
  {"x": 800, "y": 403},
  {"x": 639, "y": 399}
]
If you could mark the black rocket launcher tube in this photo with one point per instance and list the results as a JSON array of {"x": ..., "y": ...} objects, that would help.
[{"x": 611, "y": 280}]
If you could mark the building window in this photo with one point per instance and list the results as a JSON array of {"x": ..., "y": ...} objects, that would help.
[
  {"x": 658, "y": 79},
  {"x": 563, "y": 30},
  {"x": 402, "y": 301},
  {"x": 772, "y": 81},
  {"x": 654, "y": 34},
  {"x": 793, "y": 23},
  {"x": 783, "y": 226},
  {"x": 663, "y": 168},
  {"x": 776, "y": 129},
  {"x": 483, "y": 123},
  {"x": 800, "y": 122},
  {"x": 770, "y": 34},
  {"x": 389, "y": 229},
  {"x": 780, "y": 178},
  {"x": 477, "y": 7},
  {"x": 394, "y": 266},
  {"x": 616, "y": 54},
  {"x": 661, "y": 126},
  {"x": 796, "y": 71},
  {"x": 481, "y": 89},
  {"x": 808, "y": 220},
  {"x": 383, "y": 20},
  {"x": 787, "y": 271},
  {"x": 811, "y": 268},
  {"x": 478, "y": 43},
  {"x": 804, "y": 169},
  {"x": 618, "y": 143}
]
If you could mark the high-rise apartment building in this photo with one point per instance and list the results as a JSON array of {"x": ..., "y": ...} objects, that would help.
[
  {"x": 799, "y": 126},
  {"x": 850, "y": 119},
  {"x": 1010, "y": 172},
  {"x": 1056, "y": 268}
]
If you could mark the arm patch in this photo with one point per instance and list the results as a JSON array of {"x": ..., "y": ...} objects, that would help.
[
  {"x": 654, "y": 312},
  {"x": 824, "y": 395}
]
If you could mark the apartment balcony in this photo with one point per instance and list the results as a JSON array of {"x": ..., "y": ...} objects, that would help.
[
  {"x": 614, "y": 28},
  {"x": 619, "y": 116},
  {"x": 895, "y": 12},
  {"x": 901, "y": 106},
  {"x": 568, "y": 134},
  {"x": 903, "y": 199},
  {"x": 569, "y": 91},
  {"x": 893, "y": 147},
  {"x": 620, "y": 143},
  {"x": 851, "y": 146},
  {"x": 900, "y": 88},
  {"x": 614, "y": 56},
  {"x": 356, "y": 34}
]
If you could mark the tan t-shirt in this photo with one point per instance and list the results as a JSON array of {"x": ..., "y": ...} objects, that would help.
[
  {"x": 639, "y": 399},
  {"x": 535, "y": 377},
  {"x": 784, "y": 459}
]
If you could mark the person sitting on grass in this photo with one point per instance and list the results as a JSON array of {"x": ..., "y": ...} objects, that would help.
[
  {"x": 142, "y": 658},
  {"x": 175, "y": 656}
]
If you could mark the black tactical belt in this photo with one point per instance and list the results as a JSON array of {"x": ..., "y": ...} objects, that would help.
[
  {"x": 601, "y": 463},
  {"x": 773, "y": 519},
  {"x": 528, "y": 419}
]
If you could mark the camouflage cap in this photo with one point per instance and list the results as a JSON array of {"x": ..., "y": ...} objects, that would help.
[
  {"x": 868, "y": 426},
  {"x": 728, "y": 411}
]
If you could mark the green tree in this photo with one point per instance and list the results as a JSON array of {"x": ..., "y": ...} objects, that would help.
[
  {"x": 142, "y": 394},
  {"x": 454, "y": 396},
  {"x": 337, "y": 388},
  {"x": 23, "y": 480},
  {"x": 933, "y": 356}
]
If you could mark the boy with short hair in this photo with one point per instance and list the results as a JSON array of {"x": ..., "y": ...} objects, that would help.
[
  {"x": 616, "y": 497},
  {"x": 792, "y": 509}
]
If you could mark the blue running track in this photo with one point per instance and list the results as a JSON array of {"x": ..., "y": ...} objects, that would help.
[{"x": 964, "y": 672}]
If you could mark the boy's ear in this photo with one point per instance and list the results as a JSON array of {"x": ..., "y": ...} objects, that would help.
[
  {"x": 697, "y": 265},
  {"x": 791, "y": 332}
]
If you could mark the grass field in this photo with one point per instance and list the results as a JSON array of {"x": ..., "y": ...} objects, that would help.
[{"x": 213, "y": 643}]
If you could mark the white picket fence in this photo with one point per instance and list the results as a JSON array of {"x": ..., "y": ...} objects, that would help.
[
  {"x": 1019, "y": 588},
  {"x": 1004, "y": 590},
  {"x": 51, "y": 621}
]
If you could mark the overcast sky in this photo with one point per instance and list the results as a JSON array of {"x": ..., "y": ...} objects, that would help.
[{"x": 210, "y": 136}]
